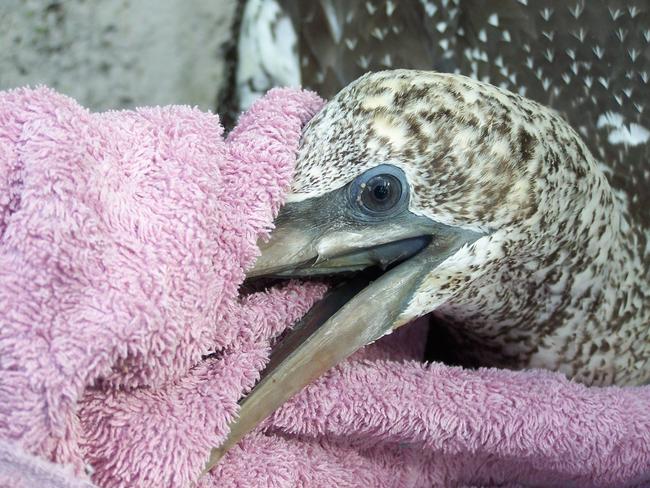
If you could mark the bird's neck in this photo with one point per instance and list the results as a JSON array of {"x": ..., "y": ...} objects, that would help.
[{"x": 570, "y": 293}]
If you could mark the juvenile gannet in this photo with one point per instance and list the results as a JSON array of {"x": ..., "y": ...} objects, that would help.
[{"x": 485, "y": 208}]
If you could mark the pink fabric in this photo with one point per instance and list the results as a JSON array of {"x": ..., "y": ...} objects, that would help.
[
  {"x": 18, "y": 469},
  {"x": 123, "y": 240}
]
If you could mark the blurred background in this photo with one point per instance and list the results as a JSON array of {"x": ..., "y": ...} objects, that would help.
[{"x": 121, "y": 53}]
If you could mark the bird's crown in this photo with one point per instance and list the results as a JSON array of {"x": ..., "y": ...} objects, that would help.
[{"x": 474, "y": 155}]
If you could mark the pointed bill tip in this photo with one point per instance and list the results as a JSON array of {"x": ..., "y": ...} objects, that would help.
[{"x": 348, "y": 318}]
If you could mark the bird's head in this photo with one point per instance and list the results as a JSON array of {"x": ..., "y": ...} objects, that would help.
[
  {"x": 425, "y": 176},
  {"x": 456, "y": 146}
]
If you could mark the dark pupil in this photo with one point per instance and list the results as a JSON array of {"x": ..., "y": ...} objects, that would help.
[{"x": 381, "y": 193}]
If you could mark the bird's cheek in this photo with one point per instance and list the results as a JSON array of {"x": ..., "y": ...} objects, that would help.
[{"x": 446, "y": 282}]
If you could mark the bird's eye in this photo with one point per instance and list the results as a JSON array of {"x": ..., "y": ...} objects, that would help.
[{"x": 381, "y": 193}]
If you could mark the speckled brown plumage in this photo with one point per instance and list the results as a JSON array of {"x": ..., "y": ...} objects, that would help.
[
  {"x": 588, "y": 59},
  {"x": 561, "y": 279}
]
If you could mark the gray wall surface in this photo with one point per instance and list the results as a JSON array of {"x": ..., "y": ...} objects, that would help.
[{"x": 118, "y": 53}]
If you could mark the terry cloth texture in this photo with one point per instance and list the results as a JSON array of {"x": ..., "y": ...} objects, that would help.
[
  {"x": 123, "y": 240},
  {"x": 124, "y": 346}
]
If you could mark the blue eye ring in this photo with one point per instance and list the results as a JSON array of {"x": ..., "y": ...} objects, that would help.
[{"x": 379, "y": 192}]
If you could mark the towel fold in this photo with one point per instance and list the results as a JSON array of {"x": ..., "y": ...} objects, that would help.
[
  {"x": 124, "y": 237},
  {"x": 124, "y": 345}
]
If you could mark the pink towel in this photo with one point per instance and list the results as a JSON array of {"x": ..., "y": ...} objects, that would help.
[
  {"x": 123, "y": 239},
  {"x": 124, "y": 346}
]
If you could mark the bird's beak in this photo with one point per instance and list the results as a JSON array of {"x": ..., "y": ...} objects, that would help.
[
  {"x": 353, "y": 314},
  {"x": 308, "y": 242}
]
